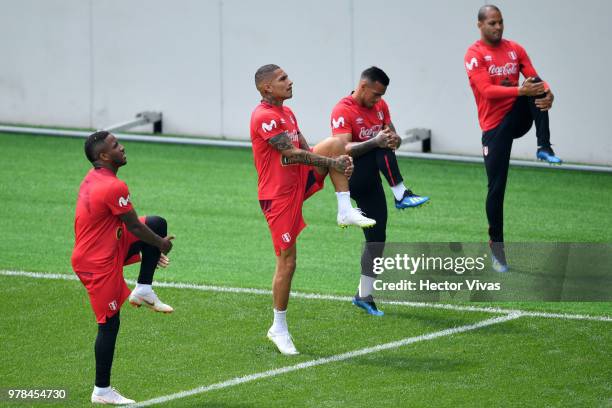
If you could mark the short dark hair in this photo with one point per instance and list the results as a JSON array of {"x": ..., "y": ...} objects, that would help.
[
  {"x": 375, "y": 74},
  {"x": 482, "y": 12},
  {"x": 94, "y": 143},
  {"x": 264, "y": 72}
]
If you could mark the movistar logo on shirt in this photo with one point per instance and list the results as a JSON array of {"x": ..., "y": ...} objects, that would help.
[
  {"x": 337, "y": 123},
  {"x": 123, "y": 202},
  {"x": 268, "y": 126},
  {"x": 473, "y": 63}
]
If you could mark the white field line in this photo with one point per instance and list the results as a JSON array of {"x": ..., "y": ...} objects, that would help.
[
  {"x": 327, "y": 360},
  {"x": 316, "y": 296}
]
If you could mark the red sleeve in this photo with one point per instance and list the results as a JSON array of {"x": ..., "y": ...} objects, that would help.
[
  {"x": 525, "y": 64},
  {"x": 341, "y": 120},
  {"x": 479, "y": 77},
  {"x": 387, "y": 115},
  {"x": 118, "y": 198},
  {"x": 267, "y": 125}
]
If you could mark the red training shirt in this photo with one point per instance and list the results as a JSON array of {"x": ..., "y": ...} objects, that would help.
[
  {"x": 493, "y": 72},
  {"x": 275, "y": 179},
  {"x": 361, "y": 122},
  {"x": 97, "y": 226}
]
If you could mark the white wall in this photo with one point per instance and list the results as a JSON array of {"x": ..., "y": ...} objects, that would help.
[
  {"x": 93, "y": 63},
  {"x": 569, "y": 45},
  {"x": 45, "y": 51},
  {"x": 157, "y": 55},
  {"x": 309, "y": 39},
  {"x": 421, "y": 47}
]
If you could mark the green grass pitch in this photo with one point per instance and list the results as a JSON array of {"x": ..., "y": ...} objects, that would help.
[{"x": 208, "y": 196}]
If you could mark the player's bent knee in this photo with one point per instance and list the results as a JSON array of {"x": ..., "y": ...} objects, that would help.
[
  {"x": 331, "y": 147},
  {"x": 338, "y": 146},
  {"x": 158, "y": 224}
]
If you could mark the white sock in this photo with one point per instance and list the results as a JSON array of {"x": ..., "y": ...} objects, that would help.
[
  {"x": 101, "y": 391},
  {"x": 398, "y": 190},
  {"x": 143, "y": 289},
  {"x": 344, "y": 202},
  {"x": 366, "y": 286},
  {"x": 280, "y": 322}
]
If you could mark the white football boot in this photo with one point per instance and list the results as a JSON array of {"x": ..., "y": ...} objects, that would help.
[
  {"x": 150, "y": 300},
  {"x": 355, "y": 217},
  {"x": 111, "y": 397},
  {"x": 283, "y": 342}
]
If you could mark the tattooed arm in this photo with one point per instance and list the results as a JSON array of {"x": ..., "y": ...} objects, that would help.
[{"x": 294, "y": 155}]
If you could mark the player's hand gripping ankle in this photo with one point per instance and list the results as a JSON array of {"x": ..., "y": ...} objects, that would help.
[{"x": 344, "y": 164}]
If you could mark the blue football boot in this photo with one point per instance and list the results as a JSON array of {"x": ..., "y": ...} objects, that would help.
[
  {"x": 546, "y": 154},
  {"x": 410, "y": 200},
  {"x": 367, "y": 304}
]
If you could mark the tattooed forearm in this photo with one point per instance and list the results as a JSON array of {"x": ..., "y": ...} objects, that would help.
[
  {"x": 311, "y": 159},
  {"x": 361, "y": 148},
  {"x": 293, "y": 155},
  {"x": 281, "y": 142}
]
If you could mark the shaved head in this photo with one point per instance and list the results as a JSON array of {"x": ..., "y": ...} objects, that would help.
[
  {"x": 482, "y": 12},
  {"x": 263, "y": 74},
  {"x": 94, "y": 145}
]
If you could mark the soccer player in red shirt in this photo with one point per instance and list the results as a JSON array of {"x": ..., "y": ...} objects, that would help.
[
  {"x": 506, "y": 111},
  {"x": 109, "y": 235},
  {"x": 289, "y": 172},
  {"x": 362, "y": 122}
]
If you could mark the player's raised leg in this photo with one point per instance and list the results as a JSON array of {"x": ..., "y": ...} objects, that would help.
[
  {"x": 143, "y": 293},
  {"x": 404, "y": 197},
  {"x": 538, "y": 108},
  {"x": 347, "y": 215},
  {"x": 281, "y": 287}
]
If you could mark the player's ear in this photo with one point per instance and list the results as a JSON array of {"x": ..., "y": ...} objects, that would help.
[{"x": 267, "y": 87}]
